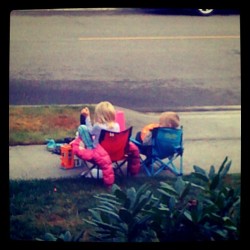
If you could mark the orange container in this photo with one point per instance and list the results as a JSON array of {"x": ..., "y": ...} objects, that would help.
[{"x": 67, "y": 156}]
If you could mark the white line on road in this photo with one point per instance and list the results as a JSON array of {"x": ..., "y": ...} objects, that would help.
[{"x": 157, "y": 38}]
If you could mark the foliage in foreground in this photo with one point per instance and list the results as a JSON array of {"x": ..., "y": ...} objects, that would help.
[{"x": 204, "y": 210}]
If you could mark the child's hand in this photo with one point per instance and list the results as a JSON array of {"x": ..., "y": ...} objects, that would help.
[{"x": 85, "y": 111}]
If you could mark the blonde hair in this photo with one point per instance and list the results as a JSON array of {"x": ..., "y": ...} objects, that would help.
[
  {"x": 169, "y": 119},
  {"x": 105, "y": 113}
]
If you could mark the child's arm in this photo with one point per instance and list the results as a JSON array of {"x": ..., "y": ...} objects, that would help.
[
  {"x": 148, "y": 139},
  {"x": 89, "y": 124},
  {"x": 82, "y": 119},
  {"x": 84, "y": 113}
]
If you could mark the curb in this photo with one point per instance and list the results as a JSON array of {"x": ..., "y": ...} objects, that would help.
[
  {"x": 192, "y": 109},
  {"x": 156, "y": 110},
  {"x": 198, "y": 109}
]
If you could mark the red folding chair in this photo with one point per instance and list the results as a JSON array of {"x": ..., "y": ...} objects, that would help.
[{"x": 116, "y": 144}]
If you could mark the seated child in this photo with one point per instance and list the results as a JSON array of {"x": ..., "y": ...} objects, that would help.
[
  {"x": 86, "y": 145},
  {"x": 104, "y": 118},
  {"x": 167, "y": 119}
]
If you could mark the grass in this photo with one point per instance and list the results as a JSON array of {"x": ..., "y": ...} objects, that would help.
[
  {"x": 35, "y": 124},
  {"x": 57, "y": 205}
]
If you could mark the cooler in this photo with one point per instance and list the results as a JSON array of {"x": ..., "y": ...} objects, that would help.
[{"x": 67, "y": 156}]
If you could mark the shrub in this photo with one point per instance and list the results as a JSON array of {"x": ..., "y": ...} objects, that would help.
[
  {"x": 201, "y": 209},
  {"x": 173, "y": 215}
]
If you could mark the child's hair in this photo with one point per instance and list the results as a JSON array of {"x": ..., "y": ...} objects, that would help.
[
  {"x": 169, "y": 119},
  {"x": 105, "y": 113}
]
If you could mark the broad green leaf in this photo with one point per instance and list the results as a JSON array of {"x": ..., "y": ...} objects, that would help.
[
  {"x": 144, "y": 219},
  {"x": 237, "y": 202},
  {"x": 106, "y": 225},
  {"x": 226, "y": 169},
  {"x": 140, "y": 205},
  {"x": 89, "y": 222},
  {"x": 107, "y": 205},
  {"x": 120, "y": 195},
  {"x": 231, "y": 228},
  {"x": 95, "y": 215},
  {"x": 185, "y": 191},
  {"x": 199, "y": 211},
  {"x": 143, "y": 188},
  {"x": 220, "y": 201},
  {"x": 127, "y": 203},
  {"x": 228, "y": 223},
  {"x": 221, "y": 233},
  {"x": 172, "y": 203},
  {"x": 131, "y": 195},
  {"x": 210, "y": 208},
  {"x": 215, "y": 182},
  {"x": 116, "y": 216},
  {"x": 110, "y": 200},
  {"x": 168, "y": 188},
  {"x": 164, "y": 209},
  {"x": 198, "y": 186},
  {"x": 140, "y": 196},
  {"x": 125, "y": 215},
  {"x": 211, "y": 173},
  {"x": 199, "y": 170},
  {"x": 105, "y": 195},
  {"x": 179, "y": 185},
  {"x": 188, "y": 216},
  {"x": 115, "y": 187},
  {"x": 222, "y": 165},
  {"x": 216, "y": 218},
  {"x": 201, "y": 176},
  {"x": 67, "y": 236},
  {"x": 49, "y": 237},
  {"x": 142, "y": 192},
  {"x": 166, "y": 193}
]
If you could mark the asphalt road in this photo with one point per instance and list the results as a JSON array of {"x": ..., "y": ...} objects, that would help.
[{"x": 145, "y": 61}]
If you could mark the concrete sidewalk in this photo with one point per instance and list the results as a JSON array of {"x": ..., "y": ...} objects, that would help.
[{"x": 209, "y": 136}]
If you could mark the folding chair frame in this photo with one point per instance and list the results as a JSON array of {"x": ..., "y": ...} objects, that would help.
[
  {"x": 116, "y": 162},
  {"x": 155, "y": 158}
]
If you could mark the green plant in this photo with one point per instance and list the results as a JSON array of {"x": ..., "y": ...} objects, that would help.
[
  {"x": 184, "y": 211},
  {"x": 66, "y": 237},
  {"x": 219, "y": 206},
  {"x": 121, "y": 216},
  {"x": 198, "y": 207},
  {"x": 198, "y": 212}
]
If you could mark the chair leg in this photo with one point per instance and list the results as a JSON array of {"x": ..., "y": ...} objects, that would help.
[
  {"x": 118, "y": 167},
  {"x": 181, "y": 165},
  {"x": 146, "y": 164},
  {"x": 89, "y": 172},
  {"x": 169, "y": 165},
  {"x": 89, "y": 169}
]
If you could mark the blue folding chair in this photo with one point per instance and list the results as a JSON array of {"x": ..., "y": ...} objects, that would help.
[{"x": 165, "y": 153}]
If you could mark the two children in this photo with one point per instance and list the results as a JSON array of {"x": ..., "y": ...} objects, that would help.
[{"x": 86, "y": 145}]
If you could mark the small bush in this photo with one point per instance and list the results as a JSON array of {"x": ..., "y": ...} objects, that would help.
[{"x": 184, "y": 211}]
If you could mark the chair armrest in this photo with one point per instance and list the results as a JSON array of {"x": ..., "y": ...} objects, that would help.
[{"x": 137, "y": 143}]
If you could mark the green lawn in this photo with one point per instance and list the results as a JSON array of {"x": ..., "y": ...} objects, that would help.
[{"x": 57, "y": 205}]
